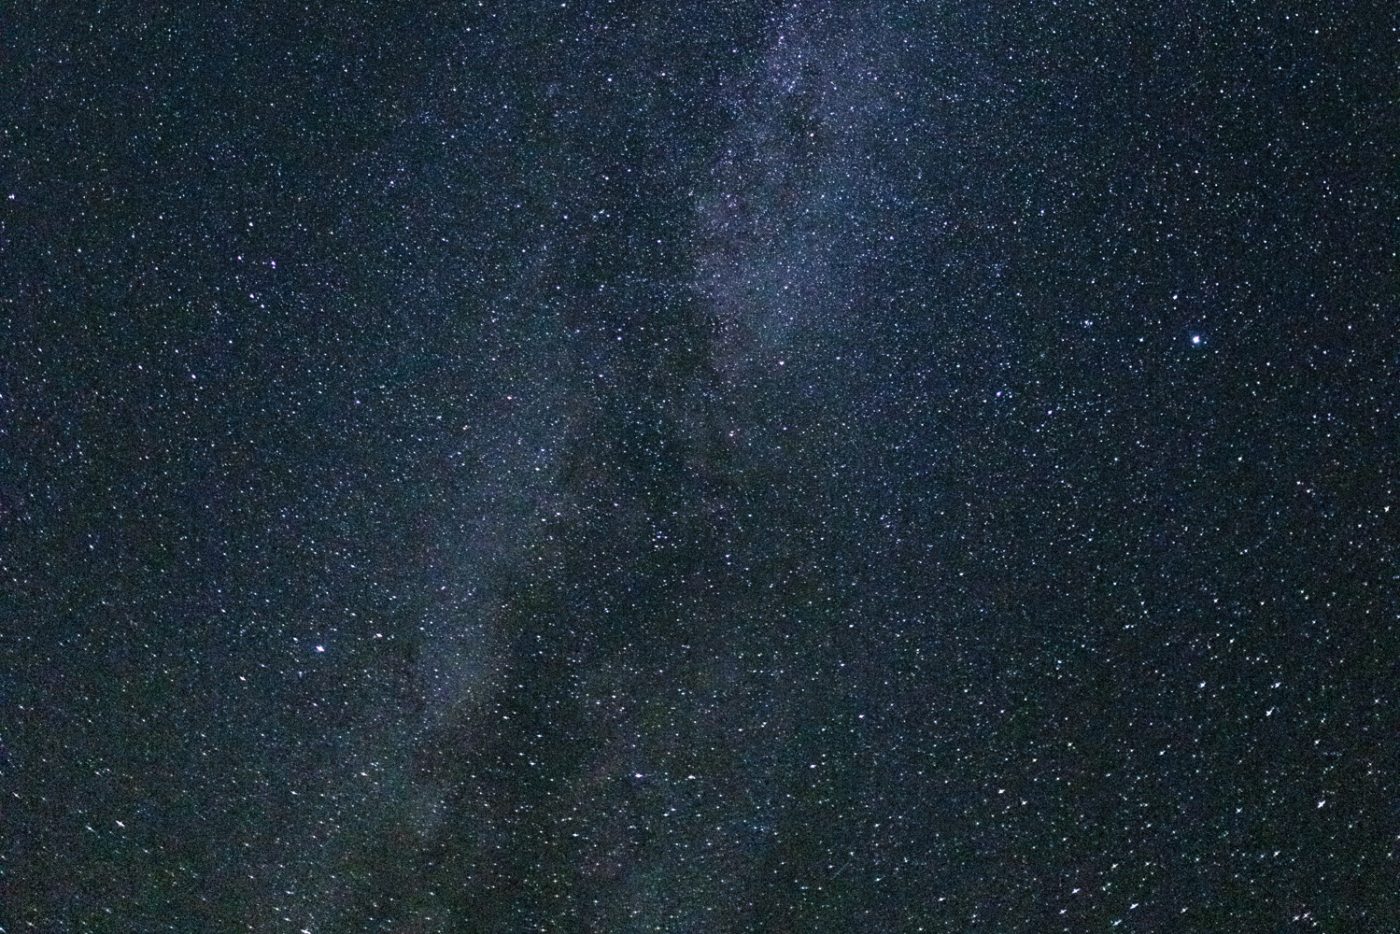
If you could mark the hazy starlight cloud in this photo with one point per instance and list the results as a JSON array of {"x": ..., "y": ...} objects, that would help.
[
  {"x": 488, "y": 505},
  {"x": 794, "y": 194}
]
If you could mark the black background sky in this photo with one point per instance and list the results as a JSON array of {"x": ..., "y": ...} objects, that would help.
[{"x": 698, "y": 466}]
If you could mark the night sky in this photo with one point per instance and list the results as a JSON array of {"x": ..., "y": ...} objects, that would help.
[{"x": 699, "y": 466}]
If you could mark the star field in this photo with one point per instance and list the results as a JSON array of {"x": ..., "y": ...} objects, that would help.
[{"x": 699, "y": 467}]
